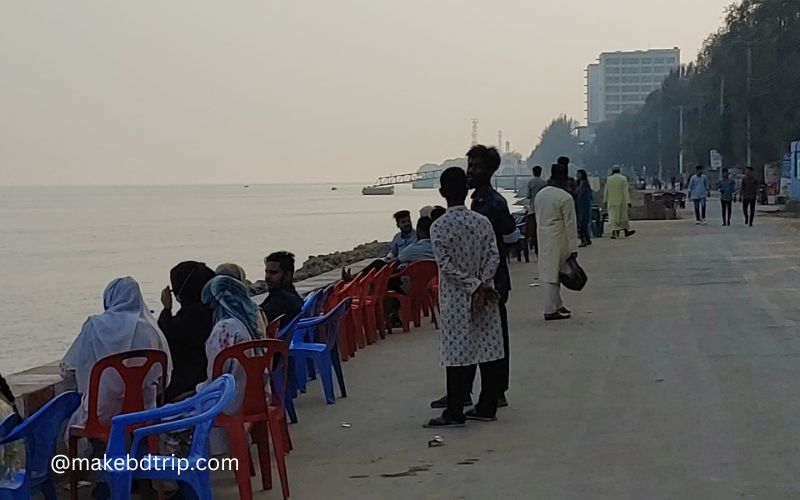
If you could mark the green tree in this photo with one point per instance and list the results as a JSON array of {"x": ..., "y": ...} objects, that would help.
[{"x": 557, "y": 139}]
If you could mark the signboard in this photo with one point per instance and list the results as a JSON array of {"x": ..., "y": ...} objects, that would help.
[
  {"x": 772, "y": 178},
  {"x": 716, "y": 160}
]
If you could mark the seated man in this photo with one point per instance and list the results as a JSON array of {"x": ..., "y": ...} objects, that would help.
[
  {"x": 420, "y": 249},
  {"x": 283, "y": 299},
  {"x": 405, "y": 237}
]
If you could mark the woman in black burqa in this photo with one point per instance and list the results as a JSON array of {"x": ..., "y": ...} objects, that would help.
[{"x": 187, "y": 330}]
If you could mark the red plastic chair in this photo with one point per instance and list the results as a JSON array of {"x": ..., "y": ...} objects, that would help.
[
  {"x": 419, "y": 297},
  {"x": 133, "y": 376},
  {"x": 355, "y": 292},
  {"x": 375, "y": 297},
  {"x": 265, "y": 418},
  {"x": 274, "y": 326}
]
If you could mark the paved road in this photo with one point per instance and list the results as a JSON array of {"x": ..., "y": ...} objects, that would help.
[{"x": 676, "y": 378}]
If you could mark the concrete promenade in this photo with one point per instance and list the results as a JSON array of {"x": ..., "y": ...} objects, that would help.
[{"x": 676, "y": 378}]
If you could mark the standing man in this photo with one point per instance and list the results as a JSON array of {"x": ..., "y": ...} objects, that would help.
[
  {"x": 465, "y": 247},
  {"x": 482, "y": 163},
  {"x": 534, "y": 186},
  {"x": 617, "y": 197},
  {"x": 558, "y": 238},
  {"x": 749, "y": 195},
  {"x": 405, "y": 237},
  {"x": 726, "y": 186},
  {"x": 698, "y": 193}
]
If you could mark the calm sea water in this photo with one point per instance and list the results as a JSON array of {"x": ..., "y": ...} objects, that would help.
[{"x": 59, "y": 247}]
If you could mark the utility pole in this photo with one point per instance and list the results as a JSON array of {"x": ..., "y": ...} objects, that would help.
[
  {"x": 474, "y": 131},
  {"x": 680, "y": 133},
  {"x": 660, "y": 162},
  {"x": 722, "y": 96},
  {"x": 749, "y": 105}
]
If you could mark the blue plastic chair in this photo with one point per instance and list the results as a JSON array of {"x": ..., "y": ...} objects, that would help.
[
  {"x": 286, "y": 334},
  {"x": 315, "y": 309},
  {"x": 197, "y": 412},
  {"x": 9, "y": 423},
  {"x": 323, "y": 353},
  {"x": 40, "y": 433}
]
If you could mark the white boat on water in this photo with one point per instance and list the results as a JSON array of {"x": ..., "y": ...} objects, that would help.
[{"x": 377, "y": 190}]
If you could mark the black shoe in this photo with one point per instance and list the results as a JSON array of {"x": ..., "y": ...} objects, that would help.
[
  {"x": 501, "y": 401},
  {"x": 474, "y": 415},
  {"x": 628, "y": 234},
  {"x": 438, "y": 422},
  {"x": 441, "y": 403},
  {"x": 556, "y": 316},
  {"x": 564, "y": 310}
]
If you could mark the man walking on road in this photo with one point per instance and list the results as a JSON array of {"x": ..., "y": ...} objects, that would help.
[
  {"x": 726, "y": 186},
  {"x": 698, "y": 193},
  {"x": 534, "y": 186},
  {"x": 749, "y": 195},
  {"x": 617, "y": 197},
  {"x": 558, "y": 238},
  {"x": 465, "y": 248}
]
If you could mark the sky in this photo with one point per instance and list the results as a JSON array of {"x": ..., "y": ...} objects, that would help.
[{"x": 299, "y": 91}]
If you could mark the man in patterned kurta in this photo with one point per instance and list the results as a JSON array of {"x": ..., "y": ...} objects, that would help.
[{"x": 465, "y": 249}]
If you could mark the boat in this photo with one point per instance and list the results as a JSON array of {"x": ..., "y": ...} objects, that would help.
[
  {"x": 377, "y": 190},
  {"x": 334, "y": 188}
]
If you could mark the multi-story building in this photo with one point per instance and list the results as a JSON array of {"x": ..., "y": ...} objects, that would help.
[{"x": 622, "y": 80}]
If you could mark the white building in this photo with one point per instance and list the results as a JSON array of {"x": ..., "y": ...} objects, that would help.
[{"x": 623, "y": 80}]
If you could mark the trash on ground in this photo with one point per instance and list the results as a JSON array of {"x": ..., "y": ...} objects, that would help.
[
  {"x": 534, "y": 285},
  {"x": 436, "y": 441},
  {"x": 346, "y": 425}
]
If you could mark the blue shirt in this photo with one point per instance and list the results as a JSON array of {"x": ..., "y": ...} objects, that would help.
[
  {"x": 399, "y": 242},
  {"x": 698, "y": 187},
  {"x": 726, "y": 187},
  {"x": 417, "y": 251}
]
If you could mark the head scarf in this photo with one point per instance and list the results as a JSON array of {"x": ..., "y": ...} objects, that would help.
[
  {"x": 228, "y": 298},
  {"x": 233, "y": 270},
  {"x": 125, "y": 325},
  {"x": 188, "y": 279}
]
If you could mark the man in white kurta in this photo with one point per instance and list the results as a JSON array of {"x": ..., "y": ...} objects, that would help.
[
  {"x": 617, "y": 197},
  {"x": 557, "y": 231},
  {"x": 465, "y": 249}
]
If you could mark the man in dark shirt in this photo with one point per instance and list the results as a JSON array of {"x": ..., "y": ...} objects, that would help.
[
  {"x": 283, "y": 299},
  {"x": 749, "y": 195}
]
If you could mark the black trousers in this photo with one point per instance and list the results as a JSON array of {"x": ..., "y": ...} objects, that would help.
[
  {"x": 749, "y": 207},
  {"x": 459, "y": 385},
  {"x": 727, "y": 208},
  {"x": 504, "y": 366}
]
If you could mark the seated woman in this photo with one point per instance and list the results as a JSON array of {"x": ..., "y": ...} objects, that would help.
[
  {"x": 187, "y": 330},
  {"x": 237, "y": 272},
  {"x": 125, "y": 325},
  {"x": 235, "y": 321}
]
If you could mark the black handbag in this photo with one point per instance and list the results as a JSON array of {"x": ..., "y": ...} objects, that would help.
[{"x": 572, "y": 275}]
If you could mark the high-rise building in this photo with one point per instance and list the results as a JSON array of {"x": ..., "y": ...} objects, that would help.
[{"x": 623, "y": 80}]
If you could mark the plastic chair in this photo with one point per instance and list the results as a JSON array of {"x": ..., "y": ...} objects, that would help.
[
  {"x": 259, "y": 359},
  {"x": 197, "y": 412},
  {"x": 285, "y": 334},
  {"x": 274, "y": 326},
  {"x": 354, "y": 328},
  {"x": 40, "y": 433},
  {"x": 8, "y": 424},
  {"x": 133, "y": 375},
  {"x": 357, "y": 293},
  {"x": 323, "y": 353},
  {"x": 418, "y": 299}
]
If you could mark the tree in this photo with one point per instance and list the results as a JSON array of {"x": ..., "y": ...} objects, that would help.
[{"x": 557, "y": 139}]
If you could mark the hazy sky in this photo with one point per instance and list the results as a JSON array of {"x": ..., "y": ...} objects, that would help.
[{"x": 196, "y": 91}]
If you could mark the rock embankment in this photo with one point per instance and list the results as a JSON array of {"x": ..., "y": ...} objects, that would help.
[{"x": 319, "y": 264}]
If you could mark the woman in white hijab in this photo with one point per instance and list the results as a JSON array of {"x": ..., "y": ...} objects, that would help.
[{"x": 125, "y": 325}]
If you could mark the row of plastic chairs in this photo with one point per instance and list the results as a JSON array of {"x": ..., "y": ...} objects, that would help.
[{"x": 40, "y": 434}]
